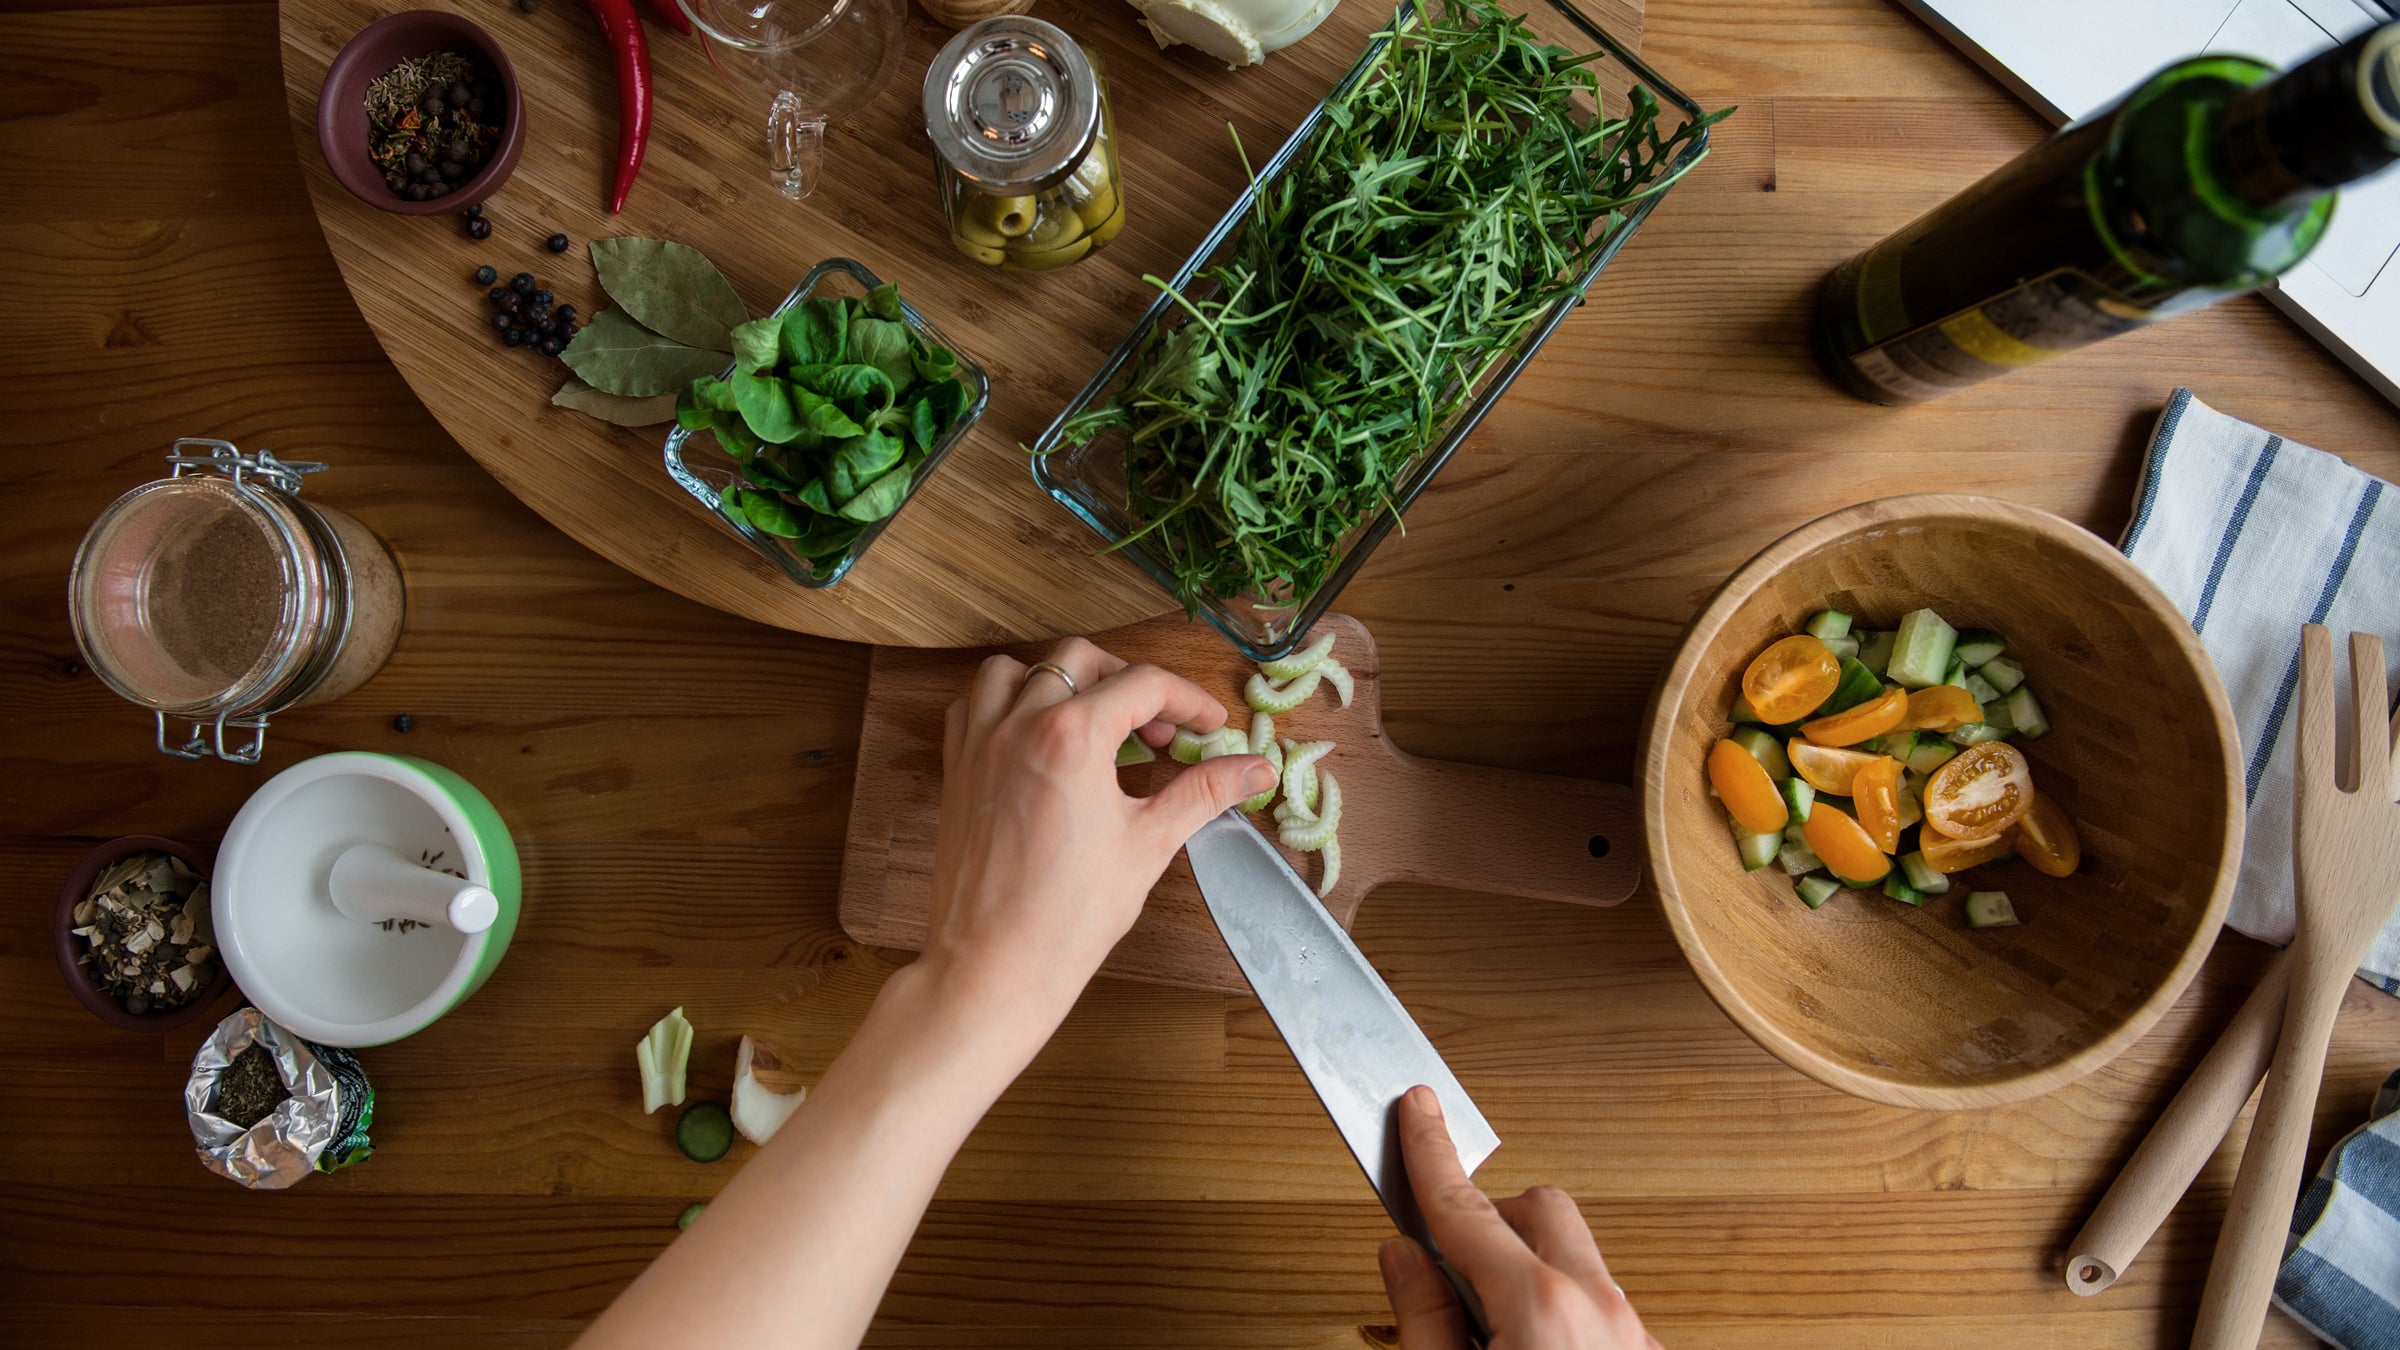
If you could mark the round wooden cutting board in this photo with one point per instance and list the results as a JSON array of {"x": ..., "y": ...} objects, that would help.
[{"x": 980, "y": 556}]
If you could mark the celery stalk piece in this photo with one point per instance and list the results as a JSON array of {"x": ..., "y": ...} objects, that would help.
[{"x": 661, "y": 1055}]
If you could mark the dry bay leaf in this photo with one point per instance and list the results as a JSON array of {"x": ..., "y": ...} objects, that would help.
[
  {"x": 619, "y": 356},
  {"x": 617, "y": 408},
  {"x": 671, "y": 289}
]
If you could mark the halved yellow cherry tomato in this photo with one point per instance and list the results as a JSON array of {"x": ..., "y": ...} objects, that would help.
[
  {"x": 1843, "y": 846},
  {"x": 1863, "y": 723},
  {"x": 1743, "y": 785},
  {"x": 1791, "y": 679},
  {"x": 1875, "y": 791},
  {"x": 1946, "y": 855},
  {"x": 1825, "y": 769},
  {"x": 2045, "y": 837},
  {"x": 1981, "y": 793},
  {"x": 1944, "y": 707}
]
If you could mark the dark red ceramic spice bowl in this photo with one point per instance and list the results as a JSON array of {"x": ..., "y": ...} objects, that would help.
[
  {"x": 342, "y": 106},
  {"x": 70, "y": 947}
]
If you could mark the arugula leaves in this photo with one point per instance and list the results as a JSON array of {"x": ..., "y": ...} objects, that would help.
[
  {"x": 1448, "y": 200},
  {"x": 833, "y": 406}
]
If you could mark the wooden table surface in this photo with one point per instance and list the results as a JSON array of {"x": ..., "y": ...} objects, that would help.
[{"x": 678, "y": 780}]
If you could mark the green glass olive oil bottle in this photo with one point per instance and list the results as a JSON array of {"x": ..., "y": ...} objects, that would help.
[{"x": 2208, "y": 180}]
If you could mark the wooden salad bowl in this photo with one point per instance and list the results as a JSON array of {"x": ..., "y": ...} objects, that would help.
[{"x": 1908, "y": 1005}]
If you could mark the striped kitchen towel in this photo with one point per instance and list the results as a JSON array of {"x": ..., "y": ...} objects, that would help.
[
  {"x": 2252, "y": 536},
  {"x": 2341, "y": 1268}
]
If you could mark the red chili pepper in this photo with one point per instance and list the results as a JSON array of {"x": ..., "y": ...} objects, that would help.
[
  {"x": 623, "y": 29},
  {"x": 672, "y": 15}
]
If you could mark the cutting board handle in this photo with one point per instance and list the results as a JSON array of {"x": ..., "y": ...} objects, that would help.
[{"x": 1524, "y": 834}]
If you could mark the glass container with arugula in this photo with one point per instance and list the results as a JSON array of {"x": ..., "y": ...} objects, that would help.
[
  {"x": 1385, "y": 278},
  {"x": 835, "y": 408}
]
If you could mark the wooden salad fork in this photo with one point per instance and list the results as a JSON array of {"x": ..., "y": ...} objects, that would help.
[
  {"x": 2346, "y": 860},
  {"x": 2189, "y": 1130}
]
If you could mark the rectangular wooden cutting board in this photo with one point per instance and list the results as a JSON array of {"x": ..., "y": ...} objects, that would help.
[{"x": 1404, "y": 818}]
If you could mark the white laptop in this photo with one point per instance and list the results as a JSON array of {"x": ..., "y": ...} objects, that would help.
[{"x": 2070, "y": 58}]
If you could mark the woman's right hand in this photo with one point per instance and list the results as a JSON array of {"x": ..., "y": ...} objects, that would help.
[{"x": 1530, "y": 1258}]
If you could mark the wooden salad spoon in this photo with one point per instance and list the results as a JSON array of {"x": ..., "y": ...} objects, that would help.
[{"x": 2346, "y": 860}]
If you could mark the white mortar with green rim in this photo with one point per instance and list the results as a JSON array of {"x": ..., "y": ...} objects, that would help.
[{"x": 332, "y": 978}]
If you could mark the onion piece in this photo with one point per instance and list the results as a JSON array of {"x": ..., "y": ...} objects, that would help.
[
  {"x": 661, "y": 1054},
  {"x": 1298, "y": 663},
  {"x": 1270, "y": 698},
  {"x": 766, "y": 1090}
]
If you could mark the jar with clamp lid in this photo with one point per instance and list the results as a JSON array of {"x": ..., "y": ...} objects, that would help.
[
  {"x": 1025, "y": 157},
  {"x": 215, "y": 597}
]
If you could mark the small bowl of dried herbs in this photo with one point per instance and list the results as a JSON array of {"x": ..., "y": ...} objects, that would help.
[
  {"x": 134, "y": 939},
  {"x": 420, "y": 114}
]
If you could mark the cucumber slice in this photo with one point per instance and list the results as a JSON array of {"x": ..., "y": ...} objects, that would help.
[
  {"x": 690, "y": 1212},
  {"x": 1858, "y": 685},
  {"x": 1901, "y": 891},
  {"x": 1875, "y": 650},
  {"x": 1921, "y": 650},
  {"x": 1828, "y": 625},
  {"x": 2004, "y": 673},
  {"x": 2026, "y": 712},
  {"x": 1757, "y": 850},
  {"x": 1842, "y": 646},
  {"x": 1921, "y": 875},
  {"x": 1798, "y": 796},
  {"x": 1815, "y": 890},
  {"x": 1932, "y": 752},
  {"x": 704, "y": 1132},
  {"x": 1978, "y": 645},
  {"x": 1797, "y": 857},
  {"x": 1743, "y": 712},
  {"x": 1990, "y": 909},
  {"x": 1955, "y": 673},
  {"x": 1980, "y": 688},
  {"x": 1976, "y": 733},
  {"x": 1765, "y": 749}
]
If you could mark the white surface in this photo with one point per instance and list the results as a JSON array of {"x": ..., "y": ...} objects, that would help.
[
  {"x": 316, "y": 970},
  {"x": 2072, "y": 57}
]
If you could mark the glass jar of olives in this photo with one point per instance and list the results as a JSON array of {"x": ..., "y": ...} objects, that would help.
[{"x": 1024, "y": 158}]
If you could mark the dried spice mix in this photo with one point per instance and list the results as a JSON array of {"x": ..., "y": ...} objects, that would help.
[
  {"x": 146, "y": 934},
  {"x": 432, "y": 122}
]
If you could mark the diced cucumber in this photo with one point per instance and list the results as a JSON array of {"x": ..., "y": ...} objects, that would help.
[
  {"x": 1858, "y": 685},
  {"x": 1798, "y": 797},
  {"x": 1757, "y": 850},
  {"x": 1898, "y": 744},
  {"x": 1976, "y": 733},
  {"x": 1842, "y": 646},
  {"x": 1795, "y": 855},
  {"x": 1912, "y": 800},
  {"x": 1922, "y": 876},
  {"x": 1743, "y": 712},
  {"x": 1901, "y": 891},
  {"x": 1980, "y": 688},
  {"x": 2026, "y": 711},
  {"x": 1875, "y": 650},
  {"x": 1955, "y": 673},
  {"x": 1815, "y": 890},
  {"x": 1765, "y": 749},
  {"x": 1978, "y": 645},
  {"x": 1990, "y": 909},
  {"x": 2004, "y": 672},
  {"x": 1932, "y": 752},
  {"x": 1828, "y": 625},
  {"x": 1921, "y": 650}
]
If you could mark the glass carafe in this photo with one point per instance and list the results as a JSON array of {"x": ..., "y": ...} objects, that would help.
[{"x": 811, "y": 62}]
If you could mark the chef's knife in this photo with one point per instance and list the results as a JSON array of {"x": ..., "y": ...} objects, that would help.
[{"x": 1360, "y": 1049}]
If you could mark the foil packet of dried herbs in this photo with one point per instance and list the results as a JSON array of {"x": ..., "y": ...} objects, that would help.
[
  {"x": 146, "y": 933},
  {"x": 267, "y": 1108}
]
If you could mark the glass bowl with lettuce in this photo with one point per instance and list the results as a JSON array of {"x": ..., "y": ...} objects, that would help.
[{"x": 835, "y": 409}]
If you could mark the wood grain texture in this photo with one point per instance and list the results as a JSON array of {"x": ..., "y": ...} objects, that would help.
[
  {"x": 679, "y": 782},
  {"x": 1405, "y": 819},
  {"x": 1907, "y": 1004}
]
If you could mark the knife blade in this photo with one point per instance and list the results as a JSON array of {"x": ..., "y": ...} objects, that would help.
[{"x": 1357, "y": 1045}]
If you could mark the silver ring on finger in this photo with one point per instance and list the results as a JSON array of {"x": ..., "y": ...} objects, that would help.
[{"x": 1052, "y": 668}]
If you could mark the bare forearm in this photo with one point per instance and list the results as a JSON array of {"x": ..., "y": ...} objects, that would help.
[{"x": 797, "y": 1249}]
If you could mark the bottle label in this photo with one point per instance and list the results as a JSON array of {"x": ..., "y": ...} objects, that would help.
[{"x": 2050, "y": 314}]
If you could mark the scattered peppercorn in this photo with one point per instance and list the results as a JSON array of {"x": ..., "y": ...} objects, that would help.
[
  {"x": 485, "y": 276},
  {"x": 521, "y": 283},
  {"x": 514, "y": 337},
  {"x": 529, "y": 6},
  {"x": 403, "y": 723},
  {"x": 566, "y": 314},
  {"x": 558, "y": 243},
  {"x": 479, "y": 228},
  {"x": 474, "y": 209},
  {"x": 503, "y": 322},
  {"x": 542, "y": 297}
]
